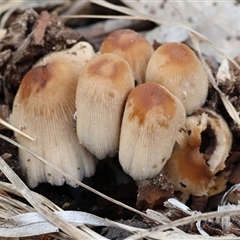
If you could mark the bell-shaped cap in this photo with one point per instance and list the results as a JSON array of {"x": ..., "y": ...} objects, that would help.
[
  {"x": 151, "y": 121},
  {"x": 102, "y": 90},
  {"x": 176, "y": 67},
  {"x": 131, "y": 46}
]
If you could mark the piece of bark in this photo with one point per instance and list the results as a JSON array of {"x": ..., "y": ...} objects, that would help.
[
  {"x": 199, "y": 203},
  {"x": 212, "y": 228},
  {"x": 234, "y": 158},
  {"x": 234, "y": 176},
  {"x": 154, "y": 193},
  {"x": 42, "y": 23}
]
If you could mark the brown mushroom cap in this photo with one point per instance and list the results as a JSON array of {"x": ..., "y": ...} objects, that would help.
[
  {"x": 200, "y": 153},
  {"x": 176, "y": 67},
  {"x": 103, "y": 87},
  {"x": 43, "y": 108},
  {"x": 131, "y": 46},
  {"x": 152, "y": 118}
]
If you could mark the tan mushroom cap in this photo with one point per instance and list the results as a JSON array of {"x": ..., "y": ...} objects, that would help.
[
  {"x": 202, "y": 148},
  {"x": 152, "y": 118},
  {"x": 131, "y": 46},
  {"x": 43, "y": 108},
  {"x": 103, "y": 87},
  {"x": 176, "y": 67}
]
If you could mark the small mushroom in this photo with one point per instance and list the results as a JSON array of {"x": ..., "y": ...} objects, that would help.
[
  {"x": 102, "y": 90},
  {"x": 151, "y": 121},
  {"x": 43, "y": 108},
  {"x": 131, "y": 46},
  {"x": 200, "y": 152},
  {"x": 176, "y": 67}
]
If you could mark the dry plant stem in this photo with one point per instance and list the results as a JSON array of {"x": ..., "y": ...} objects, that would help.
[
  {"x": 78, "y": 182},
  {"x": 19, "y": 207},
  {"x": 8, "y": 7},
  {"x": 158, "y": 20},
  {"x": 6, "y": 16},
  {"x": 4, "y": 123},
  {"x": 101, "y": 28},
  {"x": 209, "y": 19},
  {"x": 8, "y": 187},
  {"x": 184, "y": 221},
  {"x": 163, "y": 218},
  {"x": 9, "y": 202},
  {"x": 75, "y": 7},
  {"x": 104, "y": 17},
  {"x": 37, "y": 204},
  {"x": 91, "y": 232}
]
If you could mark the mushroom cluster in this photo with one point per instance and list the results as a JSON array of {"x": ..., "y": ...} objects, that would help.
[{"x": 154, "y": 126}]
